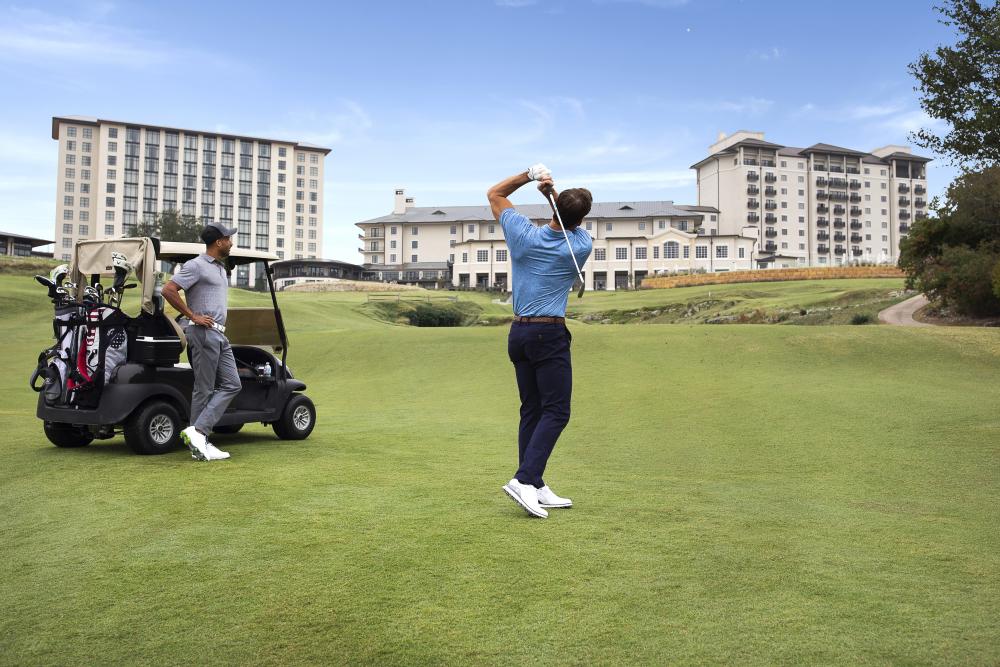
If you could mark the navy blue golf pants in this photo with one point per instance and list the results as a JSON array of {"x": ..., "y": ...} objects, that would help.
[{"x": 540, "y": 353}]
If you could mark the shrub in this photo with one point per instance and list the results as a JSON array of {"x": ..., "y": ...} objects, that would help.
[
  {"x": 861, "y": 318},
  {"x": 963, "y": 279}
]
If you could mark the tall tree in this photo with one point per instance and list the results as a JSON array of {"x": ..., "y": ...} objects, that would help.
[
  {"x": 960, "y": 85},
  {"x": 170, "y": 225}
]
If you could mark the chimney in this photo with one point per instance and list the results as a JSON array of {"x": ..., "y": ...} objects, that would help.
[
  {"x": 400, "y": 205},
  {"x": 409, "y": 202}
]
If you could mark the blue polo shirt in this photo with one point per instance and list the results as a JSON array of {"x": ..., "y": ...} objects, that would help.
[{"x": 543, "y": 271}]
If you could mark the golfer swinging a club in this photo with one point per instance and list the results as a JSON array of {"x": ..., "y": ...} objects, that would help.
[{"x": 544, "y": 265}]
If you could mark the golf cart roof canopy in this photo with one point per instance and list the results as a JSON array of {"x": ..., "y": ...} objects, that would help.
[{"x": 175, "y": 251}]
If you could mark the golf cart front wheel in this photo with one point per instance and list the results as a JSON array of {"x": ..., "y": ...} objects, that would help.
[
  {"x": 67, "y": 435},
  {"x": 155, "y": 428},
  {"x": 297, "y": 419}
]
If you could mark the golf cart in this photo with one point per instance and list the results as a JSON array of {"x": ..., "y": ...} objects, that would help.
[{"x": 110, "y": 372}]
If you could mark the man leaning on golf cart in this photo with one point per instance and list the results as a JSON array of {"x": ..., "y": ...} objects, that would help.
[{"x": 216, "y": 379}]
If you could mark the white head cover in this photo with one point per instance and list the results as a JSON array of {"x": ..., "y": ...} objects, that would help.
[
  {"x": 59, "y": 273},
  {"x": 120, "y": 261}
]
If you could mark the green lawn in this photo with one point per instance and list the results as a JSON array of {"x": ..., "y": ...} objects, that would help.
[{"x": 743, "y": 495}]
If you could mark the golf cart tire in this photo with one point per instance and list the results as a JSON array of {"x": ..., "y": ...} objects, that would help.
[
  {"x": 228, "y": 430},
  {"x": 67, "y": 435},
  {"x": 297, "y": 419},
  {"x": 155, "y": 428}
]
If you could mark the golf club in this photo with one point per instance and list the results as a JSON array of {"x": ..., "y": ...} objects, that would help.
[{"x": 579, "y": 295}]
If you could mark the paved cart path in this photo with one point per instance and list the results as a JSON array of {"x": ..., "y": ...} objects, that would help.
[{"x": 902, "y": 313}]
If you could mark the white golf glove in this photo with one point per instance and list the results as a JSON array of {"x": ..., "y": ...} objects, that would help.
[{"x": 538, "y": 172}]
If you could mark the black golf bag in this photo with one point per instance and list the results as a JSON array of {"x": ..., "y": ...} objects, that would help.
[{"x": 91, "y": 342}]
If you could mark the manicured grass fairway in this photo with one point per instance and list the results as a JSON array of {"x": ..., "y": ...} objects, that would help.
[{"x": 744, "y": 495}]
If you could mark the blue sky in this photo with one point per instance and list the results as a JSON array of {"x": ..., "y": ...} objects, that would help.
[{"x": 446, "y": 98}]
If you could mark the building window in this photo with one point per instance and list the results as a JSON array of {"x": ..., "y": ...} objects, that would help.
[
  {"x": 313, "y": 158},
  {"x": 502, "y": 255},
  {"x": 642, "y": 226},
  {"x": 472, "y": 229},
  {"x": 600, "y": 254},
  {"x": 413, "y": 258},
  {"x": 701, "y": 252},
  {"x": 670, "y": 250},
  {"x": 392, "y": 259},
  {"x": 83, "y": 230},
  {"x": 392, "y": 244},
  {"x": 392, "y": 230},
  {"x": 109, "y": 230},
  {"x": 454, "y": 229},
  {"x": 742, "y": 252},
  {"x": 68, "y": 214},
  {"x": 67, "y": 200},
  {"x": 70, "y": 131},
  {"x": 413, "y": 231},
  {"x": 482, "y": 255},
  {"x": 413, "y": 245},
  {"x": 71, "y": 145},
  {"x": 67, "y": 229},
  {"x": 682, "y": 225},
  {"x": 621, "y": 253},
  {"x": 70, "y": 159},
  {"x": 67, "y": 243},
  {"x": 465, "y": 258},
  {"x": 607, "y": 227},
  {"x": 687, "y": 251},
  {"x": 662, "y": 224},
  {"x": 109, "y": 216},
  {"x": 640, "y": 253}
]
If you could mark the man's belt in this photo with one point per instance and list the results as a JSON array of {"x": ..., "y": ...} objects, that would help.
[
  {"x": 546, "y": 320},
  {"x": 219, "y": 327}
]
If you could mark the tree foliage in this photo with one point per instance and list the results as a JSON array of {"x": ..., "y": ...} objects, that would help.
[
  {"x": 170, "y": 225},
  {"x": 960, "y": 85}
]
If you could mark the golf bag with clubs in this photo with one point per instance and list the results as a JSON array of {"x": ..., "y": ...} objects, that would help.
[{"x": 91, "y": 339}]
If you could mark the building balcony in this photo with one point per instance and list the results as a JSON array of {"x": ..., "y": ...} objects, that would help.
[
  {"x": 823, "y": 236},
  {"x": 770, "y": 247},
  {"x": 854, "y": 185},
  {"x": 856, "y": 252},
  {"x": 903, "y": 188},
  {"x": 855, "y": 198},
  {"x": 903, "y": 201},
  {"x": 904, "y": 228},
  {"x": 771, "y": 233},
  {"x": 753, "y": 203},
  {"x": 855, "y": 224},
  {"x": 752, "y": 176},
  {"x": 855, "y": 211},
  {"x": 904, "y": 215},
  {"x": 821, "y": 194},
  {"x": 920, "y": 215},
  {"x": 838, "y": 223},
  {"x": 838, "y": 182},
  {"x": 753, "y": 190},
  {"x": 753, "y": 217},
  {"x": 750, "y": 161},
  {"x": 819, "y": 166},
  {"x": 823, "y": 250},
  {"x": 770, "y": 177},
  {"x": 770, "y": 218},
  {"x": 838, "y": 196},
  {"x": 769, "y": 191},
  {"x": 839, "y": 250},
  {"x": 919, "y": 203},
  {"x": 767, "y": 163},
  {"x": 853, "y": 170},
  {"x": 822, "y": 222},
  {"x": 856, "y": 238},
  {"x": 836, "y": 168},
  {"x": 770, "y": 205},
  {"x": 822, "y": 208},
  {"x": 821, "y": 182},
  {"x": 839, "y": 238},
  {"x": 839, "y": 210},
  {"x": 919, "y": 190}
]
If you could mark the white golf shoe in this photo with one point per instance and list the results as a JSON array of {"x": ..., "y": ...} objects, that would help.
[
  {"x": 214, "y": 453},
  {"x": 196, "y": 442},
  {"x": 548, "y": 498},
  {"x": 526, "y": 496}
]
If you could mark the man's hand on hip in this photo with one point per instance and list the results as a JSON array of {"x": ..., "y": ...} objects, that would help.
[
  {"x": 203, "y": 320},
  {"x": 539, "y": 172}
]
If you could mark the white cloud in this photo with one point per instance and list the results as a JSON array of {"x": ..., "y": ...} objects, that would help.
[
  {"x": 745, "y": 105},
  {"x": 515, "y": 3},
  {"x": 770, "y": 54},
  {"x": 866, "y": 111},
  {"x": 911, "y": 121}
]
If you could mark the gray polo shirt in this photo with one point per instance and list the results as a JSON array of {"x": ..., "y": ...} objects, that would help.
[{"x": 205, "y": 286}]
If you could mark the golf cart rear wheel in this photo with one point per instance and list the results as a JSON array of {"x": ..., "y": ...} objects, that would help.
[
  {"x": 297, "y": 419},
  {"x": 67, "y": 435},
  {"x": 155, "y": 428},
  {"x": 232, "y": 428}
]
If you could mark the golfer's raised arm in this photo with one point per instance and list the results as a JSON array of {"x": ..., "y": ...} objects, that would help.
[{"x": 498, "y": 194}]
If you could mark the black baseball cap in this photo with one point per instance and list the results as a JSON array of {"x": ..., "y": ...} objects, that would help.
[{"x": 216, "y": 230}]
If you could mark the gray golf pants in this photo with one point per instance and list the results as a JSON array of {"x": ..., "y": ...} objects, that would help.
[{"x": 216, "y": 381}]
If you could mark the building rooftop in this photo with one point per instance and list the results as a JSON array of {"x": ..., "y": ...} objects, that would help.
[
  {"x": 600, "y": 210},
  {"x": 91, "y": 120},
  {"x": 29, "y": 239}
]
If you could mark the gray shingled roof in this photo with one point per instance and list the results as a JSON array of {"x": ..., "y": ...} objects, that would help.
[
  {"x": 830, "y": 148},
  {"x": 600, "y": 210},
  {"x": 906, "y": 156}
]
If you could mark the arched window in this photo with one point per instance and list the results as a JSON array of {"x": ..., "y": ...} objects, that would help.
[{"x": 670, "y": 249}]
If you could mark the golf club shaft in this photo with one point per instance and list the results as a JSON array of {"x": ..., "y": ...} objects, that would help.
[{"x": 565, "y": 236}]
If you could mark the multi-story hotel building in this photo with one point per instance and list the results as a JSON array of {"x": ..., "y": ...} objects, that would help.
[
  {"x": 113, "y": 174},
  {"x": 819, "y": 205},
  {"x": 429, "y": 245}
]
